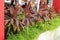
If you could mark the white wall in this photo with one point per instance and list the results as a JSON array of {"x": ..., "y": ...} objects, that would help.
[
  {"x": 50, "y": 3},
  {"x": 7, "y": 1}
]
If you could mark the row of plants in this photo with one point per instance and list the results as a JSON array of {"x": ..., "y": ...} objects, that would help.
[
  {"x": 33, "y": 31},
  {"x": 17, "y": 18}
]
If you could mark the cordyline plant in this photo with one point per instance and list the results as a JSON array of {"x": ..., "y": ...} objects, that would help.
[
  {"x": 46, "y": 13},
  {"x": 52, "y": 13},
  {"x": 12, "y": 24}
]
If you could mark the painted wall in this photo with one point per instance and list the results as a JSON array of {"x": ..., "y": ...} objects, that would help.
[
  {"x": 1, "y": 20},
  {"x": 56, "y": 5}
]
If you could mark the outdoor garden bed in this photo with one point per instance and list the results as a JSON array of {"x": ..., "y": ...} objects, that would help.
[{"x": 33, "y": 31}]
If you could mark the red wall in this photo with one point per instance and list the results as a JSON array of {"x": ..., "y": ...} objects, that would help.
[
  {"x": 56, "y": 5},
  {"x": 1, "y": 20}
]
